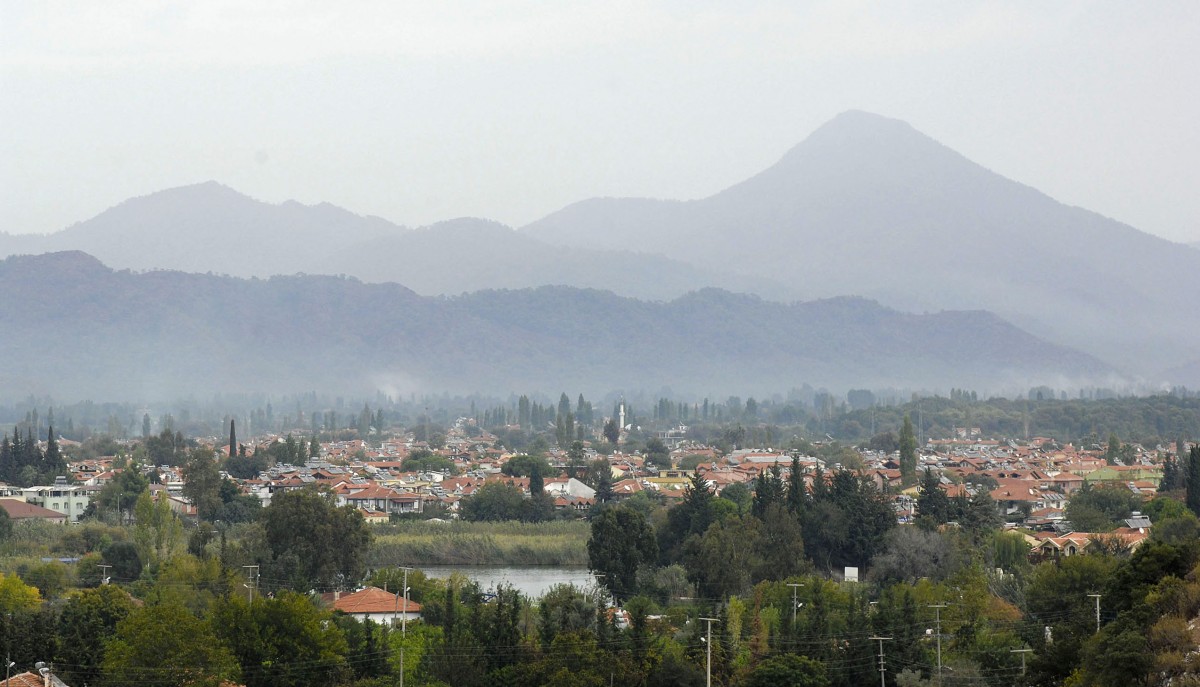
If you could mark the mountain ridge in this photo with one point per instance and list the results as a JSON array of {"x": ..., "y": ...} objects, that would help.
[
  {"x": 167, "y": 333},
  {"x": 868, "y": 205}
]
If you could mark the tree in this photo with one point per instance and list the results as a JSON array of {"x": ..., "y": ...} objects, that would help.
[
  {"x": 1114, "y": 449},
  {"x": 797, "y": 494},
  {"x": 494, "y": 501},
  {"x": 788, "y": 670},
  {"x": 691, "y": 516},
  {"x": 232, "y": 437},
  {"x": 313, "y": 542},
  {"x": 604, "y": 485},
  {"x": 158, "y": 533},
  {"x": 284, "y": 641},
  {"x": 525, "y": 466},
  {"x": 17, "y": 596},
  {"x": 768, "y": 491},
  {"x": 166, "y": 646},
  {"x": 120, "y": 493},
  {"x": 1173, "y": 477},
  {"x": 611, "y": 431},
  {"x": 908, "y": 452},
  {"x": 424, "y": 460},
  {"x": 980, "y": 515},
  {"x": 1193, "y": 479},
  {"x": 202, "y": 482},
  {"x": 88, "y": 619},
  {"x": 1098, "y": 509},
  {"x": 658, "y": 454},
  {"x": 933, "y": 505},
  {"x": 912, "y": 553},
  {"x": 575, "y": 456},
  {"x": 621, "y": 540}
]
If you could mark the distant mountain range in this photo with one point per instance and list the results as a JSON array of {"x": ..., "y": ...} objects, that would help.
[
  {"x": 869, "y": 206},
  {"x": 77, "y": 329},
  {"x": 865, "y": 206},
  {"x": 212, "y": 228}
]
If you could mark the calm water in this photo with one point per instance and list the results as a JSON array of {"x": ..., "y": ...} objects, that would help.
[{"x": 531, "y": 581}]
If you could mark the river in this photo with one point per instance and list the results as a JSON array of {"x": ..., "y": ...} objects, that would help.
[{"x": 530, "y": 581}]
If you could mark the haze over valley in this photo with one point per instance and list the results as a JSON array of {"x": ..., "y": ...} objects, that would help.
[{"x": 864, "y": 208}]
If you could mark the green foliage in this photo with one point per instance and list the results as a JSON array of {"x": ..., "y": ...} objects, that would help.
[
  {"x": 846, "y": 522},
  {"x": 424, "y": 460},
  {"x": 167, "y": 448},
  {"x": 559, "y": 542},
  {"x": 158, "y": 533},
  {"x": 1099, "y": 509},
  {"x": 120, "y": 492},
  {"x": 908, "y": 452},
  {"x": 933, "y": 505},
  {"x": 284, "y": 641},
  {"x": 525, "y": 466},
  {"x": 244, "y": 466},
  {"x": 88, "y": 619},
  {"x": 494, "y": 501},
  {"x": 1193, "y": 480},
  {"x": 16, "y": 596},
  {"x": 166, "y": 646},
  {"x": 621, "y": 541},
  {"x": 788, "y": 670},
  {"x": 202, "y": 482},
  {"x": 312, "y": 542},
  {"x": 657, "y": 453}
]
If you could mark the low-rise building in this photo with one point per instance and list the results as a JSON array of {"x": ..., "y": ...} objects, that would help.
[{"x": 70, "y": 500}]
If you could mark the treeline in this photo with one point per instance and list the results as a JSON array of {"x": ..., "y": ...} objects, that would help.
[{"x": 24, "y": 463}]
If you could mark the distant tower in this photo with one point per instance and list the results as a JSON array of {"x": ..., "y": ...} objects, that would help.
[{"x": 621, "y": 424}]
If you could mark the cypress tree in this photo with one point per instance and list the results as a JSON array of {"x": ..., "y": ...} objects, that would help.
[
  {"x": 1193, "y": 480},
  {"x": 232, "y": 438},
  {"x": 908, "y": 452},
  {"x": 796, "y": 491}
]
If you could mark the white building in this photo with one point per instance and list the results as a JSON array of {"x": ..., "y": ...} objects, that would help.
[{"x": 61, "y": 497}]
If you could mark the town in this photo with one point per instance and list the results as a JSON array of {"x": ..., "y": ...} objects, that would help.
[{"x": 674, "y": 522}]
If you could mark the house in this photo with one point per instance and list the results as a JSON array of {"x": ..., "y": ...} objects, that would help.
[
  {"x": 61, "y": 497},
  {"x": 375, "y": 604},
  {"x": 19, "y": 510},
  {"x": 35, "y": 680}
]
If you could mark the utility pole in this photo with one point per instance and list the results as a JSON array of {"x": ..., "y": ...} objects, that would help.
[
  {"x": 1097, "y": 598},
  {"x": 598, "y": 592},
  {"x": 103, "y": 572},
  {"x": 253, "y": 572},
  {"x": 795, "y": 588},
  {"x": 938, "y": 611},
  {"x": 403, "y": 624},
  {"x": 882, "y": 670},
  {"x": 708, "y": 663},
  {"x": 1022, "y": 652}
]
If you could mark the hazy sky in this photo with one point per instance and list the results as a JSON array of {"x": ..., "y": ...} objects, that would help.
[{"x": 421, "y": 111}]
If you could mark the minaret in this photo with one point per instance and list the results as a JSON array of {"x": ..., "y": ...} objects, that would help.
[{"x": 621, "y": 426}]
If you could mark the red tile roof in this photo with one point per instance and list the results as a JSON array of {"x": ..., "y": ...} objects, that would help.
[
  {"x": 375, "y": 600},
  {"x": 19, "y": 510}
]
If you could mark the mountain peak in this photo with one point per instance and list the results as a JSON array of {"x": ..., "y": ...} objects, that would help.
[{"x": 865, "y": 135}]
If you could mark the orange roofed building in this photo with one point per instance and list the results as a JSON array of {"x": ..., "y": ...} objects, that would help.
[{"x": 375, "y": 604}]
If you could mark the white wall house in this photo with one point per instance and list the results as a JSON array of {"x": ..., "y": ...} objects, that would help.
[{"x": 61, "y": 497}]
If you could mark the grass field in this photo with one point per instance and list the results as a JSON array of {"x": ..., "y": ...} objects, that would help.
[{"x": 480, "y": 543}]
